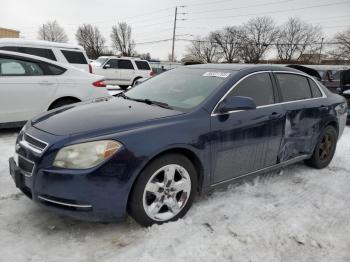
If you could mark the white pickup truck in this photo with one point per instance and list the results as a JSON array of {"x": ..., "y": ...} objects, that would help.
[{"x": 121, "y": 71}]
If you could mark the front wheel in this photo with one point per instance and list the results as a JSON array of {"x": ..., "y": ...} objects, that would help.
[
  {"x": 164, "y": 190},
  {"x": 325, "y": 148}
]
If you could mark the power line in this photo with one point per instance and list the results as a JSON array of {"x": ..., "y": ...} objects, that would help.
[
  {"x": 273, "y": 12},
  {"x": 243, "y": 7}
]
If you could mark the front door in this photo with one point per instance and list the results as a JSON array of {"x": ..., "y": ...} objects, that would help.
[
  {"x": 247, "y": 141},
  {"x": 112, "y": 72},
  {"x": 24, "y": 89}
]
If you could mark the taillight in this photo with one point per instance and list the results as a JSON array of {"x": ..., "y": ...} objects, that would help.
[
  {"x": 152, "y": 73},
  {"x": 100, "y": 83},
  {"x": 90, "y": 68}
]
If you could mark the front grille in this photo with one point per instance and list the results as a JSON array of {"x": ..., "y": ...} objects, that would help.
[
  {"x": 34, "y": 142},
  {"x": 25, "y": 165}
]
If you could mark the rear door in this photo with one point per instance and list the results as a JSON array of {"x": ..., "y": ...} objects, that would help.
[
  {"x": 305, "y": 106},
  {"x": 127, "y": 71},
  {"x": 25, "y": 88},
  {"x": 249, "y": 140}
]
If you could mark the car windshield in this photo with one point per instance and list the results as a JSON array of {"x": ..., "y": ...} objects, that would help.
[
  {"x": 182, "y": 88},
  {"x": 99, "y": 61}
]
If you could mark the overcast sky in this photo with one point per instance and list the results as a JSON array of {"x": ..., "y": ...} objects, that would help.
[{"x": 152, "y": 20}]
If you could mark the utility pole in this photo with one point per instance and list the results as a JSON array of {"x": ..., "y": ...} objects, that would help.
[
  {"x": 174, "y": 32},
  {"x": 319, "y": 59}
]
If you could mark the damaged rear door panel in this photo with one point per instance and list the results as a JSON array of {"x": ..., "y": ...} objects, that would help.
[{"x": 304, "y": 107}]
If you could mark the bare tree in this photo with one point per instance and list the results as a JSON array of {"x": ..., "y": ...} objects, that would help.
[
  {"x": 297, "y": 38},
  {"x": 342, "y": 49},
  {"x": 121, "y": 39},
  {"x": 204, "y": 49},
  {"x": 90, "y": 38},
  {"x": 256, "y": 38},
  {"x": 53, "y": 32},
  {"x": 228, "y": 43}
]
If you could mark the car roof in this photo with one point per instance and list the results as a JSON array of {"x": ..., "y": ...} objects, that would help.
[
  {"x": 42, "y": 43},
  {"x": 240, "y": 67},
  {"x": 123, "y": 57}
]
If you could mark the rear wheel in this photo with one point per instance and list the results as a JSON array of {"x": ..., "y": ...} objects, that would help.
[
  {"x": 164, "y": 191},
  {"x": 63, "y": 102},
  {"x": 325, "y": 148}
]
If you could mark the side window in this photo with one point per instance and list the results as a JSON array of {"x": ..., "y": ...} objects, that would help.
[
  {"x": 125, "y": 64},
  {"x": 258, "y": 86},
  {"x": 16, "y": 67},
  {"x": 113, "y": 63},
  {"x": 42, "y": 52},
  {"x": 142, "y": 65},
  {"x": 55, "y": 70},
  {"x": 315, "y": 90},
  {"x": 74, "y": 57},
  {"x": 293, "y": 87}
]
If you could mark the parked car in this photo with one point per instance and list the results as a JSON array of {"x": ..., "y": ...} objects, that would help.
[
  {"x": 191, "y": 129},
  {"x": 74, "y": 55},
  {"x": 124, "y": 71},
  {"x": 30, "y": 85}
]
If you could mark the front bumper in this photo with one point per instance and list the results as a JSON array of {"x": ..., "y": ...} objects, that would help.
[{"x": 96, "y": 194}]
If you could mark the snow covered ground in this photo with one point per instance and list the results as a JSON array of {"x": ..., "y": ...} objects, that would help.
[{"x": 300, "y": 214}]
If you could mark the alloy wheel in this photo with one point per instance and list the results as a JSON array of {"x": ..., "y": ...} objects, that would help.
[{"x": 166, "y": 192}]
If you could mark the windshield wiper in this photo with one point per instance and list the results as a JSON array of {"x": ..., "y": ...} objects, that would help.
[
  {"x": 146, "y": 101},
  {"x": 152, "y": 102}
]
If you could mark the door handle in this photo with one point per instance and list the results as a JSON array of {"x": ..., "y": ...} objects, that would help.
[
  {"x": 47, "y": 83},
  {"x": 275, "y": 115}
]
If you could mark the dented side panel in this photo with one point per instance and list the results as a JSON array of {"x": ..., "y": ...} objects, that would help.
[{"x": 304, "y": 122}]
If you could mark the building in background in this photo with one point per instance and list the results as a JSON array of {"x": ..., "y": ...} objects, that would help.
[{"x": 8, "y": 33}]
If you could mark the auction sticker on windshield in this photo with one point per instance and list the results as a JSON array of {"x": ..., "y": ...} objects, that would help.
[{"x": 216, "y": 74}]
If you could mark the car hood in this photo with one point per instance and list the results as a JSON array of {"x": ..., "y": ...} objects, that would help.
[{"x": 114, "y": 114}]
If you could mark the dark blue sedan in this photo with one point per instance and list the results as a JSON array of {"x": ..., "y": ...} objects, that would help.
[{"x": 149, "y": 151}]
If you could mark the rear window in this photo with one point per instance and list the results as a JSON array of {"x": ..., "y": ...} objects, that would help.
[
  {"x": 294, "y": 87},
  {"x": 142, "y": 65},
  {"x": 315, "y": 89},
  {"x": 74, "y": 57},
  {"x": 42, "y": 52},
  {"x": 125, "y": 64}
]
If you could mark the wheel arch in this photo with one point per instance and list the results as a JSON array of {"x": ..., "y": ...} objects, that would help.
[
  {"x": 61, "y": 99},
  {"x": 188, "y": 153},
  {"x": 136, "y": 78}
]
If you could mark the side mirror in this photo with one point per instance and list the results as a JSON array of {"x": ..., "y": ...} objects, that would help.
[
  {"x": 106, "y": 66},
  {"x": 236, "y": 103}
]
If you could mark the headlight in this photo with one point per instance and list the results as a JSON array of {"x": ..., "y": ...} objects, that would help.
[{"x": 86, "y": 155}]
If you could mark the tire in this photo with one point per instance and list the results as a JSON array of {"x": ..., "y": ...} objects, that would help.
[
  {"x": 63, "y": 102},
  {"x": 325, "y": 148},
  {"x": 173, "y": 197},
  {"x": 124, "y": 87}
]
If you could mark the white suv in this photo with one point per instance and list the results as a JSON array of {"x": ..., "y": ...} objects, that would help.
[
  {"x": 121, "y": 71},
  {"x": 60, "y": 52}
]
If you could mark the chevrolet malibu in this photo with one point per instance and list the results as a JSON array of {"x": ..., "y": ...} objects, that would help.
[{"x": 149, "y": 151}]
